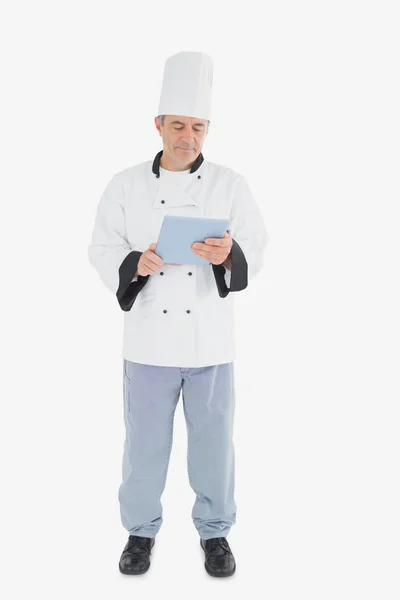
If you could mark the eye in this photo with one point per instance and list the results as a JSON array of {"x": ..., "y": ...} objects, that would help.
[{"x": 180, "y": 129}]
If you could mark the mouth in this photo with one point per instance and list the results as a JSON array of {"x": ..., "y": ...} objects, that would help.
[{"x": 185, "y": 149}]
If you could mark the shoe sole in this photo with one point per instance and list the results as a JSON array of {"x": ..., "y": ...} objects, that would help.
[
  {"x": 220, "y": 574},
  {"x": 133, "y": 572},
  {"x": 217, "y": 574}
]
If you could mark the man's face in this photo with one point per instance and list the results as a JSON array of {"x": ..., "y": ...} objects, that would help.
[{"x": 183, "y": 138}]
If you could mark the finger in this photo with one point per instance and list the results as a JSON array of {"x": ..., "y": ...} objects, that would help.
[
  {"x": 211, "y": 256},
  {"x": 199, "y": 246},
  {"x": 153, "y": 257},
  {"x": 148, "y": 271},
  {"x": 152, "y": 248},
  {"x": 149, "y": 265},
  {"x": 214, "y": 250},
  {"x": 143, "y": 271},
  {"x": 222, "y": 242}
]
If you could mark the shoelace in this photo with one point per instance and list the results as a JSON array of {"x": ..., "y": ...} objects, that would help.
[
  {"x": 220, "y": 541},
  {"x": 138, "y": 541}
]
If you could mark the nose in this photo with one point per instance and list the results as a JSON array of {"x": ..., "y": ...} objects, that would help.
[{"x": 188, "y": 138}]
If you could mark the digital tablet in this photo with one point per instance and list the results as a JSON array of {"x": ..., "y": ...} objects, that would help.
[{"x": 177, "y": 234}]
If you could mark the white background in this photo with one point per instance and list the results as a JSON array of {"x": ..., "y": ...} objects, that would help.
[{"x": 306, "y": 106}]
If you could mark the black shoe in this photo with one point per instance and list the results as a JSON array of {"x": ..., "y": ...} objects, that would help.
[
  {"x": 220, "y": 561},
  {"x": 135, "y": 558}
]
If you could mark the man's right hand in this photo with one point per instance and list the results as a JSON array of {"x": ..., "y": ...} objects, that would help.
[{"x": 149, "y": 262}]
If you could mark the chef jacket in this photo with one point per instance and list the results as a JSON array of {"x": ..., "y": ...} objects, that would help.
[{"x": 181, "y": 316}]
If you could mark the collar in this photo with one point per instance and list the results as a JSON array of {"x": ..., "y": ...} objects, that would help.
[{"x": 156, "y": 163}]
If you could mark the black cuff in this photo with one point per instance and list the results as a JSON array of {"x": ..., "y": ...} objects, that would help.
[
  {"x": 239, "y": 272},
  {"x": 128, "y": 289}
]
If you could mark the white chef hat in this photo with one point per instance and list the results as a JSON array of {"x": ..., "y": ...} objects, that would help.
[{"x": 187, "y": 85}]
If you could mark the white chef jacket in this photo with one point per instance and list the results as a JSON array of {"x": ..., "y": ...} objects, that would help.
[{"x": 181, "y": 316}]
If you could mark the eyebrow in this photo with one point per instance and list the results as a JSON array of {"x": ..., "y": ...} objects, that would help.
[{"x": 180, "y": 123}]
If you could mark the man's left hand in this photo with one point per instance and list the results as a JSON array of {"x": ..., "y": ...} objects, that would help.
[{"x": 215, "y": 250}]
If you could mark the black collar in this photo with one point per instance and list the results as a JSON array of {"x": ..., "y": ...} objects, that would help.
[{"x": 156, "y": 163}]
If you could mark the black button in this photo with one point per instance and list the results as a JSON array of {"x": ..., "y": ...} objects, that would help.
[
  {"x": 162, "y": 201},
  {"x": 161, "y": 273},
  {"x": 188, "y": 311},
  {"x": 164, "y": 311},
  {"x": 189, "y": 273},
  {"x": 198, "y": 176}
]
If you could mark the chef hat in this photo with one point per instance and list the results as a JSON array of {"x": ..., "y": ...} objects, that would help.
[{"x": 187, "y": 84}]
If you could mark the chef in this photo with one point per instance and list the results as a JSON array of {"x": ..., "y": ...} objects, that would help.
[{"x": 178, "y": 319}]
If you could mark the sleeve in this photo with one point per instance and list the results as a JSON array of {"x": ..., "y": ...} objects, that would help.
[
  {"x": 110, "y": 252},
  {"x": 249, "y": 240}
]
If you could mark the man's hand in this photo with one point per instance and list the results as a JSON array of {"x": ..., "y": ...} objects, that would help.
[
  {"x": 215, "y": 250},
  {"x": 149, "y": 262}
]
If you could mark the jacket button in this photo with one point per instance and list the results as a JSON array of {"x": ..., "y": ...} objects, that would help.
[
  {"x": 164, "y": 311},
  {"x": 198, "y": 176},
  {"x": 161, "y": 273},
  {"x": 162, "y": 201},
  {"x": 190, "y": 273},
  {"x": 188, "y": 311}
]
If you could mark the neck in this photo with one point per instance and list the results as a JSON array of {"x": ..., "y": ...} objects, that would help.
[{"x": 167, "y": 163}]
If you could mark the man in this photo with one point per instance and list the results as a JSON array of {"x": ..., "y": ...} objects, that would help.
[{"x": 178, "y": 319}]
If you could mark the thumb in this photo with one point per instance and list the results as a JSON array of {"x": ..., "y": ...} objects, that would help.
[{"x": 152, "y": 246}]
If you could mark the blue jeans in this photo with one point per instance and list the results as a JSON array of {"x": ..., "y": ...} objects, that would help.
[{"x": 151, "y": 394}]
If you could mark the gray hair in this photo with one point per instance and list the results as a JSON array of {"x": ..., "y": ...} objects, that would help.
[{"x": 162, "y": 119}]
